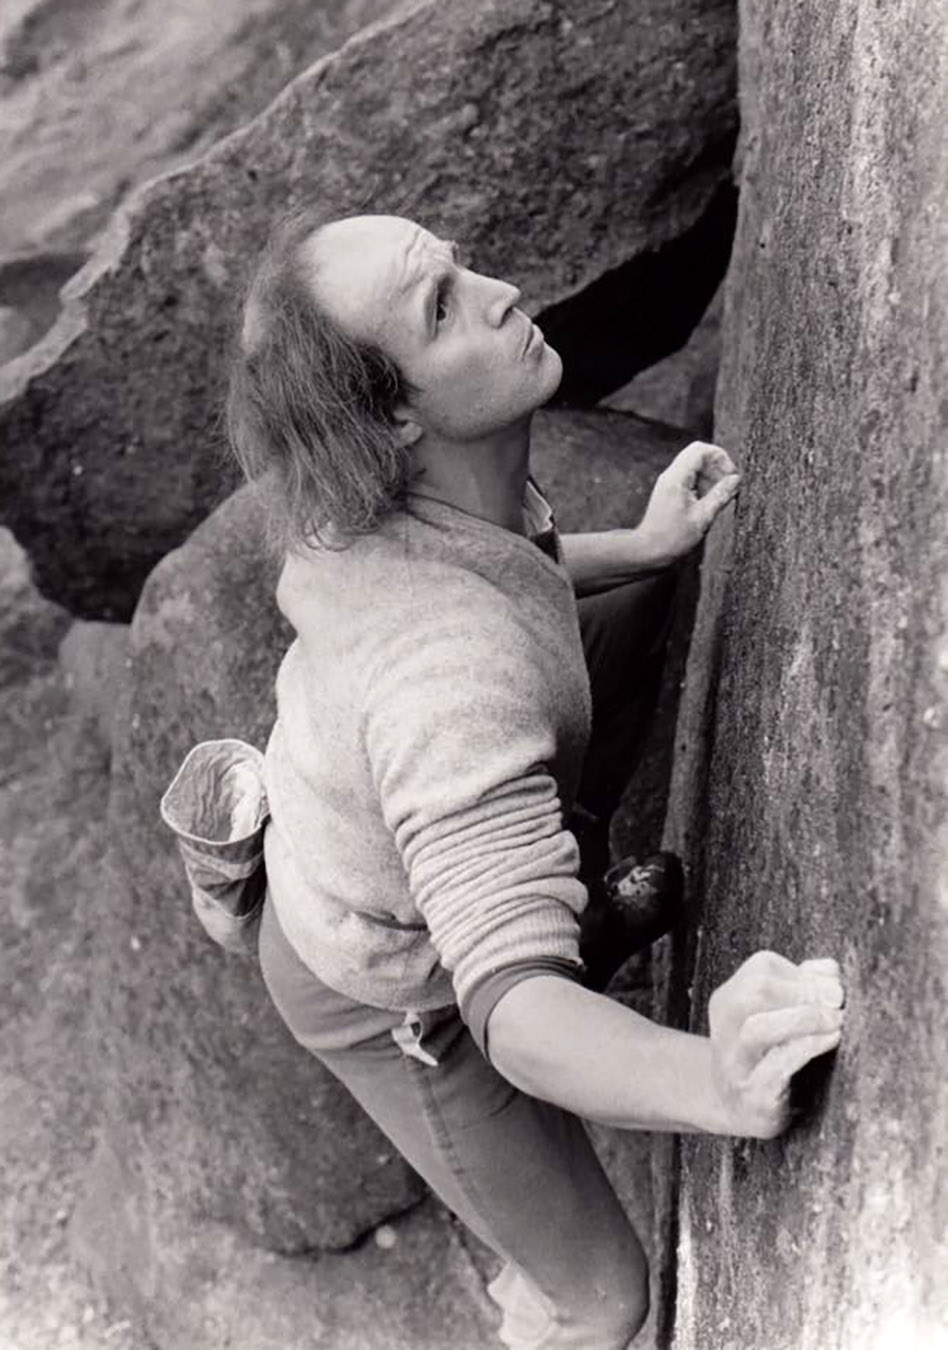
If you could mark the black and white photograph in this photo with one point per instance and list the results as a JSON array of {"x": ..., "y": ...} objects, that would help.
[{"x": 473, "y": 675}]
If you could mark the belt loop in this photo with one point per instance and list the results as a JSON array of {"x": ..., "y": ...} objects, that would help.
[{"x": 408, "y": 1039}]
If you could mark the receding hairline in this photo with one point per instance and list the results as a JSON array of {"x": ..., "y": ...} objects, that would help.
[
  {"x": 297, "y": 247},
  {"x": 310, "y": 404},
  {"x": 396, "y": 264},
  {"x": 285, "y": 253}
]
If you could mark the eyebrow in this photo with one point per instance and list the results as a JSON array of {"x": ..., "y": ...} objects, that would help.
[
  {"x": 413, "y": 280},
  {"x": 430, "y": 284}
]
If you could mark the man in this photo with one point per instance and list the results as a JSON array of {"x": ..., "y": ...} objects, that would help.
[{"x": 433, "y": 738}]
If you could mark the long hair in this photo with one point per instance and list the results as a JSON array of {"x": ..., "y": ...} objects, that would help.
[{"x": 309, "y": 409}]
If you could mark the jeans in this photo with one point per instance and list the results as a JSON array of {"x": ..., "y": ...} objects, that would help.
[{"x": 519, "y": 1172}]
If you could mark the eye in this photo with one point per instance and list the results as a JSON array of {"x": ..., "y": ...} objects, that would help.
[{"x": 441, "y": 304}]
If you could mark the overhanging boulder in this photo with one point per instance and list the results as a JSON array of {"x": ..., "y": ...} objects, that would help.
[
  {"x": 556, "y": 146},
  {"x": 812, "y": 797},
  {"x": 92, "y": 104}
]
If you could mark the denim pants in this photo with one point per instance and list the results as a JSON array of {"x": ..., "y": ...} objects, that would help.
[{"x": 519, "y": 1172}]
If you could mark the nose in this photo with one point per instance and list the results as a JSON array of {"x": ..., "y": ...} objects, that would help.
[{"x": 501, "y": 299}]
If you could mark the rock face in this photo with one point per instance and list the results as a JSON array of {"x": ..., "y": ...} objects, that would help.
[
  {"x": 206, "y": 1091},
  {"x": 52, "y": 835},
  {"x": 556, "y": 147},
  {"x": 32, "y": 626},
  {"x": 94, "y": 98},
  {"x": 812, "y": 795},
  {"x": 94, "y": 660}
]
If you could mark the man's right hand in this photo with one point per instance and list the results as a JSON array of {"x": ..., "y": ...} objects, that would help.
[{"x": 768, "y": 1020}]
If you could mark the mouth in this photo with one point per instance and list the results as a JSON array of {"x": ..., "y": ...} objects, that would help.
[{"x": 533, "y": 339}]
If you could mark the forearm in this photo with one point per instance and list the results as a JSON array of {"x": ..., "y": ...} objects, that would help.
[
  {"x": 607, "y": 558},
  {"x": 558, "y": 1041}
]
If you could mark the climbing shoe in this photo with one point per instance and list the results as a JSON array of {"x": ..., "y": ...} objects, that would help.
[{"x": 636, "y": 903}]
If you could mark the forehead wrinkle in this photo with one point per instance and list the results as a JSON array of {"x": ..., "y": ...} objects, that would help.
[
  {"x": 441, "y": 250},
  {"x": 377, "y": 280},
  {"x": 407, "y": 271}
]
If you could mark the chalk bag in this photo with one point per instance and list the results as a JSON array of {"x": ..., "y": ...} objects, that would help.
[{"x": 217, "y": 807}]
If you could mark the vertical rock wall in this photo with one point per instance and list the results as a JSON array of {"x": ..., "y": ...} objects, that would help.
[{"x": 811, "y": 786}]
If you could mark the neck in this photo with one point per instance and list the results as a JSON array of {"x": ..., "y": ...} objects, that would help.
[{"x": 485, "y": 478}]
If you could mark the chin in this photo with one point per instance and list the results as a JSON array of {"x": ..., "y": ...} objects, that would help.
[{"x": 551, "y": 374}]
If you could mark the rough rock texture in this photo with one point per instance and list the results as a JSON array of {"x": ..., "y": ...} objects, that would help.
[
  {"x": 97, "y": 95},
  {"x": 53, "y": 790},
  {"x": 95, "y": 662},
  {"x": 31, "y": 625},
  {"x": 556, "y": 146},
  {"x": 205, "y": 1090},
  {"x": 811, "y": 794}
]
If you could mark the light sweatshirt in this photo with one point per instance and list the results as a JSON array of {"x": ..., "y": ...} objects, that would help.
[{"x": 433, "y": 714}]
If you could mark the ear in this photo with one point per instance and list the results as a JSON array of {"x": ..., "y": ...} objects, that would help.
[{"x": 407, "y": 430}]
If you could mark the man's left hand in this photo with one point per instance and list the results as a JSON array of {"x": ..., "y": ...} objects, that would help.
[{"x": 686, "y": 498}]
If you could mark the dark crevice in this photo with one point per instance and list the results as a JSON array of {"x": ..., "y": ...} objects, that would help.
[
  {"x": 668, "y": 1257},
  {"x": 642, "y": 311}
]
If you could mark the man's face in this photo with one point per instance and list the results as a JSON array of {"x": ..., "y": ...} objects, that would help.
[{"x": 477, "y": 362}]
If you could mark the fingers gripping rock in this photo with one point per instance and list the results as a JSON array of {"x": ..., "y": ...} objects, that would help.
[{"x": 767, "y": 1021}]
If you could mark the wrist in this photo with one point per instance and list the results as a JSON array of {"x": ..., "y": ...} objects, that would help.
[
  {"x": 718, "y": 1113},
  {"x": 653, "y": 547},
  {"x": 741, "y": 1116}
]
